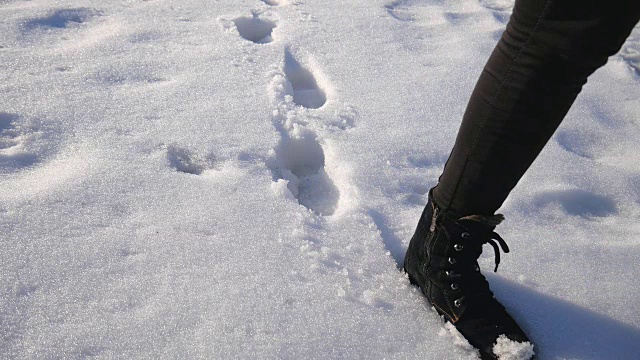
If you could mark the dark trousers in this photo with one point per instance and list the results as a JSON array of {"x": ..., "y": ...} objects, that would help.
[{"x": 533, "y": 76}]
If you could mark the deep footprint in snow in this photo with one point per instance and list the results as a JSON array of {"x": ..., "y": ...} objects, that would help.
[
  {"x": 63, "y": 18},
  {"x": 306, "y": 91},
  {"x": 255, "y": 29},
  {"x": 300, "y": 160},
  {"x": 183, "y": 160}
]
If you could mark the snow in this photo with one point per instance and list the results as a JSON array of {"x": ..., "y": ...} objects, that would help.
[
  {"x": 506, "y": 349},
  {"x": 240, "y": 179},
  {"x": 449, "y": 330}
]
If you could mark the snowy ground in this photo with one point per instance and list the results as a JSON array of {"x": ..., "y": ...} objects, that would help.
[{"x": 240, "y": 179}]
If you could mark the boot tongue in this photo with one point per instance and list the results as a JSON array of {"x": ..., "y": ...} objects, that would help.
[
  {"x": 488, "y": 220},
  {"x": 485, "y": 225}
]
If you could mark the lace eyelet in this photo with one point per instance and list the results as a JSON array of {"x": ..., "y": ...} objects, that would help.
[
  {"x": 450, "y": 273},
  {"x": 458, "y": 247},
  {"x": 455, "y": 286},
  {"x": 452, "y": 261},
  {"x": 465, "y": 235},
  {"x": 457, "y": 303}
]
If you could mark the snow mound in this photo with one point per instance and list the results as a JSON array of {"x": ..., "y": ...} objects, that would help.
[
  {"x": 458, "y": 339},
  {"x": 507, "y": 349}
]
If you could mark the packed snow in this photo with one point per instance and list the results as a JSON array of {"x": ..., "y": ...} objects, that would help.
[{"x": 240, "y": 179}]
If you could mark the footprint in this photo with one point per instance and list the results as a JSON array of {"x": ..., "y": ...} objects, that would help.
[
  {"x": 61, "y": 19},
  {"x": 427, "y": 161},
  {"x": 183, "y": 160},
  {"x": 306, "y": 91},
  {"x": 457, "y": 17},
  {"x": 581, "y": 143},
  {"x": 274, "y": 2},
  {"x": 299, "y": 159},
  {"x": 578, "y": 202},
  {"x": 398, "y": 10},
  {"x": 255, "y": 29},
  {"x": 419, "y": 12},
  {"x": 23, "y": 142}
]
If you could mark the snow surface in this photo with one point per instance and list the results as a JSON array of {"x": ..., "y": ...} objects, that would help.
[{"x": 240, "y": 179}]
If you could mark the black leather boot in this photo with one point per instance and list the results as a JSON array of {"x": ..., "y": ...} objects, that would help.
[{"x": 442, "y": 259}]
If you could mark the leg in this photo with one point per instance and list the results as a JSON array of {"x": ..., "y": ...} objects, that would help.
[
  {"x": 538, "y": 68},
  {"x": 529, "y": 83}
]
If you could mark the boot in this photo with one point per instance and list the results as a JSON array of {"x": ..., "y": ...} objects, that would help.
[{"x": 442, "y": 259}]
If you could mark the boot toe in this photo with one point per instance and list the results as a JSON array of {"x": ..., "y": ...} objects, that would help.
[{"x": 494, "y": 333}]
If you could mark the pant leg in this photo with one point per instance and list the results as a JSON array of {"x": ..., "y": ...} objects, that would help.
[{"x": 529, "y": 83}]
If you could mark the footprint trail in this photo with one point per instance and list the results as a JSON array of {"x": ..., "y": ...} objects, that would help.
[{"x": 299, "y": 157}]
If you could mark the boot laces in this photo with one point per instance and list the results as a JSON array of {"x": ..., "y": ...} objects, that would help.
[
  {"x": 490, "y": 222},
  {"x": 471, "y": 251},
  {"x": 492, "y": 241}
]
